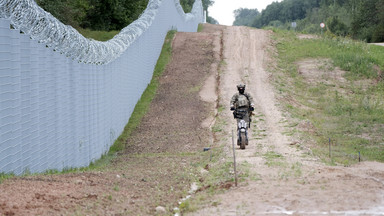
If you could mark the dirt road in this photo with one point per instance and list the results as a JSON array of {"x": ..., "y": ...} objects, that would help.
[
  {"x": 159, "y": 164},
  {"x": 285, "y": 178}
]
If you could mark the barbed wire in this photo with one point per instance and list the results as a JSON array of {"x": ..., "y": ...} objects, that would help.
[{"x": 29, "y": 18}]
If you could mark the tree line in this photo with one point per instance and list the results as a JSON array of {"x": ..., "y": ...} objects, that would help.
[
  {"x": 102, "y": 15},
  {"x": 359, "y": 19}
]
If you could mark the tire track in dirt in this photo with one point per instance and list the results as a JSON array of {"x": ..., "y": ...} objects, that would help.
[{"x": 284, "y": 179}]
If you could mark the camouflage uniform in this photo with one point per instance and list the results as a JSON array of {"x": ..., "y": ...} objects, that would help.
[{"x": 244, "y": 107}]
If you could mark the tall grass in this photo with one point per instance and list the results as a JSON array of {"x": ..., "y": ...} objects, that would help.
[{"x": 351, "y": 113}]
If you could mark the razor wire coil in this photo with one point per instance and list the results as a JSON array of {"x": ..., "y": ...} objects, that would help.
[
  {"x": 64, "y": 99},
  {"x": 30, "y": 19}
]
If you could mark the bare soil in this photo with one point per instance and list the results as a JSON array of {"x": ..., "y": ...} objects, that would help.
[
  {"x": 320, "y": 70},
  {"x": 159, "y": 164}
]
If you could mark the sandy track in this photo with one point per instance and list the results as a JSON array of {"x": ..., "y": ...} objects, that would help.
[{"x": 285, "y": 180}]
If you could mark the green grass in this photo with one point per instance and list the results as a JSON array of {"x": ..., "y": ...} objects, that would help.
[
  {"x": 200, "y": 27},
  {"x": 274, "y": 159},
  {"x": 4, "y": 176},
  {"x": 350, "y": 113},
  {"x": 97, "y": 35},
  {"x": 290, "y": 170}
]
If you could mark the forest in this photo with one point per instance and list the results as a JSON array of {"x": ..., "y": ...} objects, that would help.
[
  {"x": 358, "y": 19},
  {"x": 102, "y": 15}
]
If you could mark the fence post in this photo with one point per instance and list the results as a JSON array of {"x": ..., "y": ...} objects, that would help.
[
  {"x": 234, "y": 158},
  {"x": 359, "y": 157},
  {"x": 330, "y": 151}
]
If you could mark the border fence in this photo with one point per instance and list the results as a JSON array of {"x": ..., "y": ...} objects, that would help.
[{"x": 64, "y": 99}]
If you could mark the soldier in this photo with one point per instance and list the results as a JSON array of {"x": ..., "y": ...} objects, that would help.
[{"x": 242, "y": 105}]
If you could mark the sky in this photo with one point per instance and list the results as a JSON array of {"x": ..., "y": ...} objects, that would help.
[{"x": 222, "y": 10}]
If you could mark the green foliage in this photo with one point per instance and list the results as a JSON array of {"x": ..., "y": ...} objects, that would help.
[
  {"x": 207, "y": 4},
  {"x": 244, "y": 16},
  {"x": 366, "y": 20},
  {"x": 212, "y": 20},
  {"x": 187, "y": 5},
  {"x": 336, "y": 26},
  {"x": 276, "y": 24},
  {"x": 361, "y": 19},
  {"x": 70, "y": 12},
  {"x": 102, "y": 15},
  {"x": 110, "y": 15},
  {"x": 105, "y": 17},
  {"x": 378, "y": 34},
  {"x": 287, "y": 11}
]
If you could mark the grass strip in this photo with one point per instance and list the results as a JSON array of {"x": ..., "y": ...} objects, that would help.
[
  {"x": 97, "y": 35},
  {"x": 200, "y": 27},
  {"x": 4, "y": 176}
]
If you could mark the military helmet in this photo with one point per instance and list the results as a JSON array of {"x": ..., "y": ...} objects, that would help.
[{"x": 241, "y": 86}]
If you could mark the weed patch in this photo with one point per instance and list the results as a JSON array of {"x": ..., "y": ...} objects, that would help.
[
  {"x": 4, "y": 176},
  {"x": 274, "y": 159}
]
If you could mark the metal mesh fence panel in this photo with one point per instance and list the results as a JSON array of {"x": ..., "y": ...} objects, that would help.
[{"x": 64, "y": 99}]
